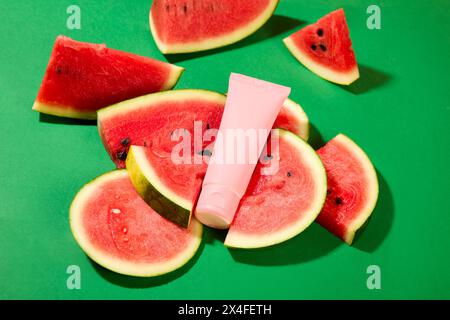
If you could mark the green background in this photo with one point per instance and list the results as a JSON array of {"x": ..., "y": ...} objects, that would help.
[{"x": 398, "y": 112}]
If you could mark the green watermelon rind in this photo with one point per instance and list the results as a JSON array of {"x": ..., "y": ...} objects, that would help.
[
  {"x": 236, "y": 239},
  {"x": 343, "y": 78},
  {"x": 114, "y": 263},
  {"x": 373, "y": 187},
  {"x": 215, "y": 42},
  {"x": 158, "y": 196},
  {"x": 72, "y": 112}
]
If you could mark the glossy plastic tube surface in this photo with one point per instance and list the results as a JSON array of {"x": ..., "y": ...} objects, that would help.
[{"x": 251, "y": 109}]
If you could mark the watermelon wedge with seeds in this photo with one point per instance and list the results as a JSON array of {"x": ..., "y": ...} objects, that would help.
[
  {"x": 325, "y": 48},
  {"x": 83, "y": 77},
  {"x": 157, "y": 115},
  {"x": 352, "y": 188},
  {"x": 180, "y": 26}
]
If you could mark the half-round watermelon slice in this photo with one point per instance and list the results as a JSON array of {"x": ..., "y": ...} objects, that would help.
[
  {"x": 180, "y": 26},
  {"x": 275, "y": 207},
  {"x": 156, "y": 116},
  {"x": 325, "y": 48},
  {"x": 84, "y": 77},
  {"x": 119, "y": 231},
  {"x": 352, "y": 188}
]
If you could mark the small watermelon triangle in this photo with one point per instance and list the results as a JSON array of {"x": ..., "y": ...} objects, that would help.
[{"x": 325, "y": 48}]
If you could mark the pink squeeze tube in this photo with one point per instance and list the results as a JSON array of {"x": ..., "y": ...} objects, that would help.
[{"x": 252, "y": 105}]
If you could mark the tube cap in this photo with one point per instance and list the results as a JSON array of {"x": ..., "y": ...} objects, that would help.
[{"x": 216, "y": 206}]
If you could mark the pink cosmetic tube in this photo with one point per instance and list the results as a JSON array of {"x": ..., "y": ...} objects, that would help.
[{"x": 251, "y": 109}]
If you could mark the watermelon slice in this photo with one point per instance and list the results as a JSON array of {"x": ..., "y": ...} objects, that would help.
[
  {"x": 325, "y": 48},
  {"x": 84, "y": 77},
  {"x": 275, "y": 207},
  {"x": 119, "y": 231},
  {"x": 187, "y": 26},
  {"x": 352, "y": 188},
  {"x": 157, "y": 115}
]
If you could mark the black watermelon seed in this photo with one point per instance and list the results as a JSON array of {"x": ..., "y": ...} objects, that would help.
[
  {"x": 125, "y": 142},
  {"x": 208, "y": 126},
  {"x": 185, "y": 9},
  {"x": 314, "y": 47},
  {"x": 167, "y": 7},
  {"x": 289, "y": 173},
  {"x": 338, "y": 201},
  {"x": 207, "y": 153},
  {"x": 323, "y": 47},
  {"x": 58, "y": 70},
  {"x": 320, "y": 32},
  {"x": 122, "y": 155}
]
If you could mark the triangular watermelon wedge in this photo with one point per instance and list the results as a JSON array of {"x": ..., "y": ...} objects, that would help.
[
  {"x": 180, "y": 26},
  {"x": 325, "y": 48},
  {"x": 83, "y": 77}
]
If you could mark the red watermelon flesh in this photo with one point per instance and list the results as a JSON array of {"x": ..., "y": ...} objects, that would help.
[
  {"x": 155, "y": 117},
  {"x": 117, "y": 229},
  {"x": 186, "y": 26},
  {"x": 84, "y": 77},
  {"x": 325, "y": 48},
  {"x": 274, "y": 208},
  {"x": 352, "y": 188}
]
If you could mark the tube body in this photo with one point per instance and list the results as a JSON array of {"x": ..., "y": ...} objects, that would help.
[{"x": 251, "y": 109}]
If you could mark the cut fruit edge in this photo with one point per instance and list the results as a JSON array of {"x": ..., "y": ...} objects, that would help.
[
  {"x": 292, "y": 108},
  {"x": 147, "y": 183},
  {"x": 343, "y": 78},
  {"x": 373, "y": 186},
  {"x": 214, "y": 42},
  {"x": 236, "y": 239},
  {"x": 71, "y": 112},
  {"x": 295, "y": 110},
  {"x": 116, "y": 264}
]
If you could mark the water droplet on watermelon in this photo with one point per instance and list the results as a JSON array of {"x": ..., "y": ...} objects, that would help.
[
  {"x": 124, "y": 230},
  {"x": 116, "y": 211},
  {"x": 125, "y": 239}
]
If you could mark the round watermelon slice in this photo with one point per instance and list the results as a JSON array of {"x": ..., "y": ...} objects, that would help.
[
  {"x": 275, "y": 207},
  {"x": 119, "y": 231},
  {"x": 156, "y": 116},
  {"x": 325, "y": 48},
  {"x": 352, "y": 188},
  {"x": 180, "y": 26},
  {"x": 84, "y": 77}
]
